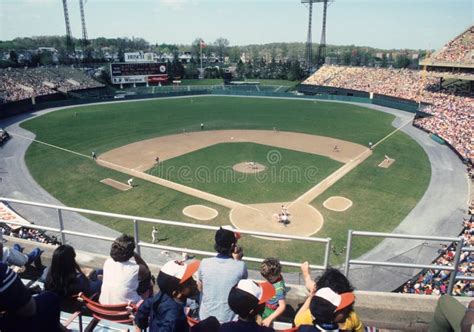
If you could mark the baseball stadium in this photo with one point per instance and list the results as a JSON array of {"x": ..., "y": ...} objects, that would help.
[{"x": 364, "y": 169}]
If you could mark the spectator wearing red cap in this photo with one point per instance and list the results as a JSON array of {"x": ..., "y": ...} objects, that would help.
[
  {"x": 247, "y": 299},
  {"x": 216, "y": 277}
]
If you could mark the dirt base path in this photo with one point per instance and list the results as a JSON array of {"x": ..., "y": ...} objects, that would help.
[
  {"x": 140, "y": 156},
  {"x": 172, "y": 185},
  {"x": 322, "y": 186}
]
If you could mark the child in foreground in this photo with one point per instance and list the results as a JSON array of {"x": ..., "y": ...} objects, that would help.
[
  {"x": 247, "y": 299},
  {"x": 165, "y": 311},
  {"x": 274, "y": 307}
]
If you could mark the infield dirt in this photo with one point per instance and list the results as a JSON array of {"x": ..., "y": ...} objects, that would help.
[{"x": 134, "y": 159}]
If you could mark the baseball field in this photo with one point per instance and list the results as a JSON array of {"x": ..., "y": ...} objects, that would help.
[{"x": 249, "y": 157}]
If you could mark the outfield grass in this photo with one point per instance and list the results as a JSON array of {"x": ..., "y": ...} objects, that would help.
[
  {"x": 382, "y": 197},
  {"x": 210, "y": 170}
]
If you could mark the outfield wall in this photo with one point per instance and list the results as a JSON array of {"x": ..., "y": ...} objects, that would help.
[
  {"x": 309, "y": 91},
  {"x": 334, "y": 93}
]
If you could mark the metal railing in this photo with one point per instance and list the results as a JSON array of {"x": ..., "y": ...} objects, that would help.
[
  {"x": 135, "y": 220},
  {"x": 452, "y": 269}
]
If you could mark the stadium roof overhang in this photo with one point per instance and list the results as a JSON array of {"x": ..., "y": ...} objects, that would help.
[{"x": 443, "y": 64}]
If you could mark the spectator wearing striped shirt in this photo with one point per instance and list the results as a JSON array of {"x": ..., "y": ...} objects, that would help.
[{"x": 19, "y": 311}]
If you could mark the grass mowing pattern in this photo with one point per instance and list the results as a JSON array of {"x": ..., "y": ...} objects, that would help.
[
  {"x": 382, "y": 198},
  {"x": 210, "y": 170}
]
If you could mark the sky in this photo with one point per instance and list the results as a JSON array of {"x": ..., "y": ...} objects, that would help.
[{"x": 415, "y": 24}]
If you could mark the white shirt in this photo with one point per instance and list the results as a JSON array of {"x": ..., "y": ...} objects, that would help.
[{"x": 120, "y": 282}]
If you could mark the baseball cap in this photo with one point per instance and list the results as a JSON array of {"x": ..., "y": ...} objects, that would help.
[
  {"x": 248, "y": 295},
  {"x": 225, "y": 238},
  {"x": 339, "y": 301},
  {"x": 175, "y": 273}
]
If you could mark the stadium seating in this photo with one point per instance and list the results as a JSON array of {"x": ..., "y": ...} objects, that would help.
[
  {"x": 22, "y": 83},
  {"x": 120, "y": 313},
  {"x": 451, "y": 110},
  {"x": 458, "y": 50},
  {"x": 431, "y": 282}
]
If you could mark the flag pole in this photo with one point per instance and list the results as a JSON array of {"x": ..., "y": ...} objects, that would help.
[{"x": 200, "y": 46}]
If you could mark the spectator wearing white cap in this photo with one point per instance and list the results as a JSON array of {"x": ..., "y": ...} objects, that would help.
[
  {"x": 165, "y": 311},
  {"x": 328, "y": 309}
]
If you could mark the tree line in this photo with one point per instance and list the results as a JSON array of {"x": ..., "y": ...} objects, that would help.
[{"x": 272, "y": 60}]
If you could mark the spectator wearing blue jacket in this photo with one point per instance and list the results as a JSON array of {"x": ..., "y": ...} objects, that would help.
[{"x": 165, "y": 311}]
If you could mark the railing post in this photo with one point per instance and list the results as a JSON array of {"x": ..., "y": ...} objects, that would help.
[
  {"x": 327, "y": 253},
  {"x": 135, "y": 235},
  {"x": 457, "y": 257},
  {"x": 61, "y": 227},
  {"x": 348, "y": 252}
]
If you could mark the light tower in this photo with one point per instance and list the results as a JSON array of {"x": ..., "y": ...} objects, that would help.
[
  {"x": 309, "y": 41},
  {"x": 69, "y": 41},
  {"x": 83, "y": 21},
  {"x": 85, "y": 42},
  {"x": 322, "y": 44}
]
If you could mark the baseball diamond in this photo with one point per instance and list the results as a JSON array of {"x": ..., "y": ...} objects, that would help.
[{"x": 128, "y": 137}]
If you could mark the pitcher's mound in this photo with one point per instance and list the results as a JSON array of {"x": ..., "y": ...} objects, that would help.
[
  {"x": 337, "y": 203},
  {"x": 304, "y": 219},
  {"x": 115, "y": 184},
  {"x": 200, "y": 212},
  {"x": 386, "y": 163},
  {"x": 248, "y": 167}
]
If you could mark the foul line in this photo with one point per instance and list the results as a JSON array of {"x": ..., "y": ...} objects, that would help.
[
  {"x": 51, "y": 145},
  {"x": 393, "y": 132},
  {"x": 345, "y": 169},
  {"x": 143, "y": 177}
]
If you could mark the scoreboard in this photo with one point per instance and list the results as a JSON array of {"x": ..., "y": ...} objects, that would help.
[{"x": 138, "y": 72}]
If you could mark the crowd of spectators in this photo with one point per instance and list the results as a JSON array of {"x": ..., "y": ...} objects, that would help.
[
  {"x": 22, "y": 83},
  {"x": 451, "y": 110},
  {"x": 458, "y": 50},
  {"x": 228, "y": 300},
  {"x": 31, "y": 234},
  {"x": 431, "y": 282}
]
